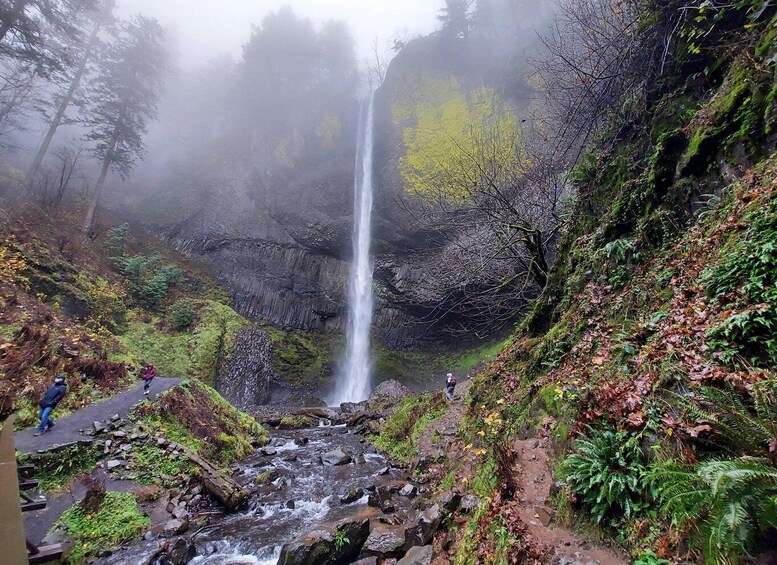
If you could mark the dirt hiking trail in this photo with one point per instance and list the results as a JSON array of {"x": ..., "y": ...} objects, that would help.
[{"x": 535, "y": 480}]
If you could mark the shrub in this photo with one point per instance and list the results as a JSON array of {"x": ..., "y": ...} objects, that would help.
[
  {"x": 117, "y": 521},
  {"x": 606, "y": 469},
  {"x": 182, "y": 314},
  {"x": 149, "y": 279},
  {"x": 739, "y": 425},
  {"x": 12, "y": 264},
  {"x": 115, "y": 239}
]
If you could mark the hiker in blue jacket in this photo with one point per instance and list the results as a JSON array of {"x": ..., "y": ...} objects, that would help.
[{"x": 53, "y": 395}]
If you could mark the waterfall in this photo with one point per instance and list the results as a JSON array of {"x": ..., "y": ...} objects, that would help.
[{"x": 354, "y": 383}]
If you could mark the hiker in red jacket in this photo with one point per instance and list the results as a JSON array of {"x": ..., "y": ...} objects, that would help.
[{"x": 147, "y": 373}]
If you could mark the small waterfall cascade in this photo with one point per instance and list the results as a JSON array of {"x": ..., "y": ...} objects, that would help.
[{"x": 354, "y": 384}]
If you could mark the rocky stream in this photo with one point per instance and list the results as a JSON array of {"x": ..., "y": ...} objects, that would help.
[{"x": 317, "y": 495}]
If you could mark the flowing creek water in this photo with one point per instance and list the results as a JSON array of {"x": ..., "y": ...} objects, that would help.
[{"x": 304, "y": 494}]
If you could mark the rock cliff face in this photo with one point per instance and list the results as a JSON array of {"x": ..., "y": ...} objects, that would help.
[{"x": 282, "y": 246}]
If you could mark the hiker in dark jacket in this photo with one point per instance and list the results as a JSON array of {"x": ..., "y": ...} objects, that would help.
[
  {"x": 50, "y": 399},
  {"x": 147, "y": 373}
]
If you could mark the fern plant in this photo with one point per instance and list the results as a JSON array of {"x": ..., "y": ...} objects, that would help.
[
  {"x": 607, "y": 469},
  {"x": 727, "y": 502},
  {"x": 739, "y": 425}
]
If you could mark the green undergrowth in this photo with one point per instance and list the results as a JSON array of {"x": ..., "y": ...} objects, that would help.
[
  {"x": 154, "y": 465},
  {"x": 118, "y": 520},
  {"x": 56, "y": 470},
  {"x": 194, "y": 353},
  {"x": 196, "y": 416},
  {"x": 663, "y": 290},
  {"x": 411, "y": 416}
]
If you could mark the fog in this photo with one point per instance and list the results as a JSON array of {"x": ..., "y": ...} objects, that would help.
[{"x": 202, "y": 29}]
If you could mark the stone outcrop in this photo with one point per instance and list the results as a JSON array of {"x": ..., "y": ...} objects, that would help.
[
  {"x": 247, "y": 376},
  {"x": 319, "y": 546}
]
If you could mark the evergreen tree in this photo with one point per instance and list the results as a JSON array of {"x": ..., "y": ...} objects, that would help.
[
  {"x": 123, "y": 100},
  {"x": 27, "y": 25},
  {"x": 71, "y": 81},
  {"x": 455, "y": 18}
]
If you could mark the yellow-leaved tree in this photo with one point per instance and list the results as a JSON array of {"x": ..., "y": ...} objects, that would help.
[{"x": 456, "y": 142}]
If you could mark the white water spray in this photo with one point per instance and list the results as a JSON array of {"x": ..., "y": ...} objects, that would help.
[{"x": 354, "y": 384}]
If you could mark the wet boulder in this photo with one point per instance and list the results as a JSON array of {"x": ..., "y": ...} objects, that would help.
[
  {"x": 353, "y": 407},
  {"x": 336, "y": 457},
  {"x": 387, "y": 394},
  {"x": 325, "y": 413},
  {"x": 352, "y": 496},
  {"x": 419, "y": 555},
  {"x": 424, "y": 526},
  {"x": 385, "y": 540},
  {"x": 175, "y": 527},
  {"x": 327, "y": 544},
  {"x": 179, "y": 553}
]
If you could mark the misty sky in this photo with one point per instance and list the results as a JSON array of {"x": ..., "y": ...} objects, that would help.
[{"x": 204, "y": 29}]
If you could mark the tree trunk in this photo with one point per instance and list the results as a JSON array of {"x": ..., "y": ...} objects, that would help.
[
  {"x": 539, "y": 264},
  {"x": 89, "y": 220},
  {"x": 16, "y": 12},
  {"x": 44, "y": 147},
  {"x": 223, "y": 487}
]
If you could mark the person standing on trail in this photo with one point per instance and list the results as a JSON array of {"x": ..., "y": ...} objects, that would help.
[
  {"x": 147, "y": 373},
  {"x": 450, "y": 385},
  {"x": 50, "y": 399}
]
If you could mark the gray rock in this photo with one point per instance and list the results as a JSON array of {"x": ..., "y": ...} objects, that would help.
[
  {"x": 181, "y": 552},
  {"x": 126, "y": 447},
  {"x": 336, "y": 457},
  {"x": 98, "y": 427},
  {"x": 113, "y": 464},
  {"x": 384, "y": 541},
  {"x": 181, "y": 514},
  {"x": 366, "y": 561},
  {"x": 424, "y": 526},
  {"x": 352, "y": 496},
  {"x": 469, "y": 503},
  {"x": 248, "y": 373},
  {"x": 325, "y": 413},
  {"x": 419, "y": 555},
  {"x": 408, "y": 490},
  {"x": 318, "y": 545},
  {"x": 175, "y": 526},
  {"x": 115, "y": 418},
  {"x": 448, "y": 501},
  {"x": 388, "y": 393}
]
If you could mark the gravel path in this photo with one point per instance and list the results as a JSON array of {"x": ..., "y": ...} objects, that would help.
[{"x": 68, "y": 428}]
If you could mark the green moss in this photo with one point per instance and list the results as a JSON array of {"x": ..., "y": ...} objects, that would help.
[
  {"x": 57, "y": 469},
  {"x": 195, "y": 415},
  {"x": 152, "y": 464},
  {"x": 410, "y": 418},
  {"x": 297, "y": 422},
  {"x": 117, "y": 521},
  {"x": 304, "y": 358},
  {"x": 552, "y": 401}
]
